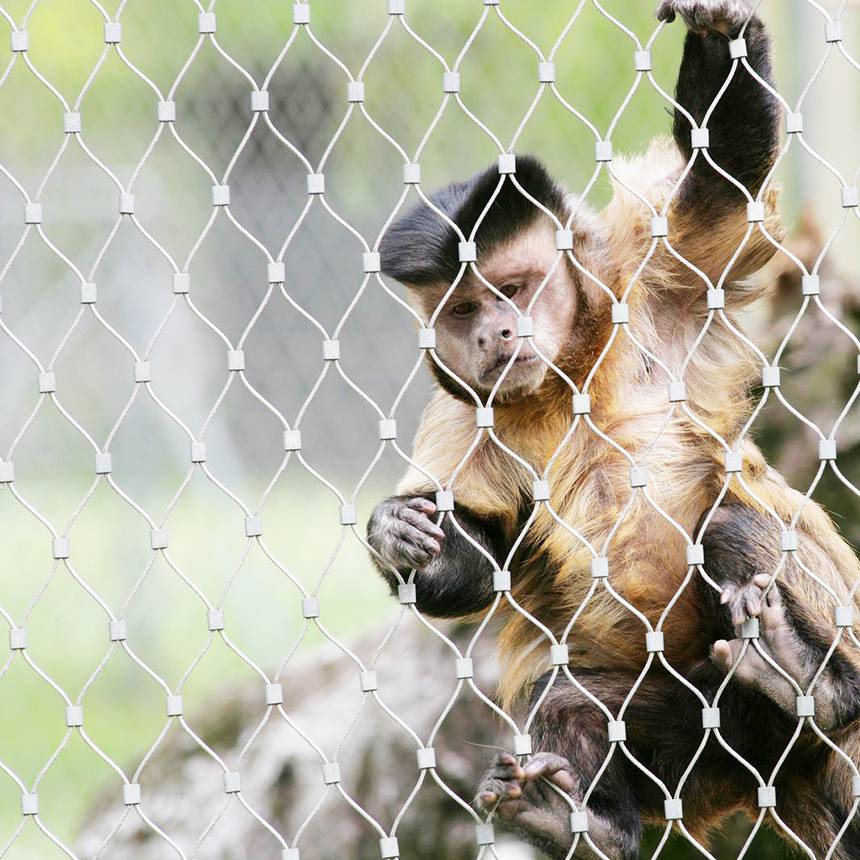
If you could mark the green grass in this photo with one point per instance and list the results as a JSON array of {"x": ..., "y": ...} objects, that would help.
[{"x": 167, "y": 627}]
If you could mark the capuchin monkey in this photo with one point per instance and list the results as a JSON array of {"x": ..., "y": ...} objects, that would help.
[{"x": 769, "y": 554}]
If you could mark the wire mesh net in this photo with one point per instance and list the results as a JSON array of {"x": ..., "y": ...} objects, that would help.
[{"x": 208, "y": 384}]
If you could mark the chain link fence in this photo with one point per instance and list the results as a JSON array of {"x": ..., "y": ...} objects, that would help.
[{"x": 207, "y": 386}]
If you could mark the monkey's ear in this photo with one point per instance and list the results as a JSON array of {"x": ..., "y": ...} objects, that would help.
[{"x": 420, "y": 247}]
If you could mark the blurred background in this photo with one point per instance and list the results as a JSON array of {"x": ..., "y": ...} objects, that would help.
[{"x": 43, "y": 323}]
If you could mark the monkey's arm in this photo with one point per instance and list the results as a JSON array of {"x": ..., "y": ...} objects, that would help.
[
  {"x": 708, "y": 216},
  {"x": 452, "y": 577}
]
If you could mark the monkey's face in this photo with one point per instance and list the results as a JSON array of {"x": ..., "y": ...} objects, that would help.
[{"x": 476, "y": 329}]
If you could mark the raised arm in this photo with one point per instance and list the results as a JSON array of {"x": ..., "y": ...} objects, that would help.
[
  {"x": 744, "y": 125},
  {"x": 708, "y": 215}
]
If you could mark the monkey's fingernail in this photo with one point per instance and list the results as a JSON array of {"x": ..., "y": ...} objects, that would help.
[
  {"x": 725, "y": 597},
  {"x": 488, "y": 797},
  {"x": 513, "y": 791}
]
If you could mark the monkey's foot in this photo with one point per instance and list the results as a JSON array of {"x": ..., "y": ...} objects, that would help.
[
  {"x": 524, "y": 801},
  {"x": 707, "y": 16},
  {"x": 777, "y": 639},
  {"x": 531, "y": 799},
  {"x": 745, "y": 601}
]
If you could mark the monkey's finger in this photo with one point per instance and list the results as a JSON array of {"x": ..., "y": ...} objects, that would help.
[
  {"x": 762, "y": 580},
  {"x": 665, "y": 12},
  {"x": 421, "y": 522},
  {"x": 699, "y": 19},
  {"x": 403, "y": 552},
  {"x": 417, "y": 538},
  {"x": 725, "y": 18},
  {"x": 419, "y": 503},
  {"x": 748, "y": 671},
  {"x": 510, "y": 789},
  {"x": 486, "y": 799},
  {"x": 739, "y": 612},
  {"x": 563, "y": 779}
]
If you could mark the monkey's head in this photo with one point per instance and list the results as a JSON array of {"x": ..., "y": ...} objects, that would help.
[{"x": 476, "y": 329}]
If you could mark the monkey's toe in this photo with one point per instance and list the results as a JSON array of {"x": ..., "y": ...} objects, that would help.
[
  {"x": 503, "y": 786},
  {"x": 530, "y": 798},
  {"x": 503, "y": 781},
  {"x": 550, "y": 766}
]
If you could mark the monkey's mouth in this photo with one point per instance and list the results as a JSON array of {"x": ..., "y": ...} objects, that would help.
[{"x": 522, "y": 361}]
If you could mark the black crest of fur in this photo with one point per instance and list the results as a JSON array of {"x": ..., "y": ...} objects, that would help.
[{"x": 421, "y": 248}]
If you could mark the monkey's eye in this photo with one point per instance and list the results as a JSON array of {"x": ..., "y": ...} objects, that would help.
[
  {"x": 464, "y": 309},
  {"x": 509, "y": 290}
]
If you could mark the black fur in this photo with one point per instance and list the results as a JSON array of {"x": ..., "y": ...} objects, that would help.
[
  {"x": 449, "y": 383},
  {"x": 738, "y": 543},
  {"x": 569, "y": 723},
  {"x": 665, "y": 739},
  {"x": 744, "y": 127},
  {"x": 420, "y": 248}
]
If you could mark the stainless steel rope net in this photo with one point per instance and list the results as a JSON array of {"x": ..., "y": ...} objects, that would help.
[{"x": 77, "y": 319}]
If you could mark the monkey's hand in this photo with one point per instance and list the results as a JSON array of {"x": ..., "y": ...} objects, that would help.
[
  {"x": 707, "y": 16},
  {"x": 403, "y": 534}
]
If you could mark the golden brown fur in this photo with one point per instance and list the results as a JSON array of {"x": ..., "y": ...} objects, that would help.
[{"x": 589, "y": 479}]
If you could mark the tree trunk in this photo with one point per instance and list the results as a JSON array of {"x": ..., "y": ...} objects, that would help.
[{"x": 281, "y": 774}]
